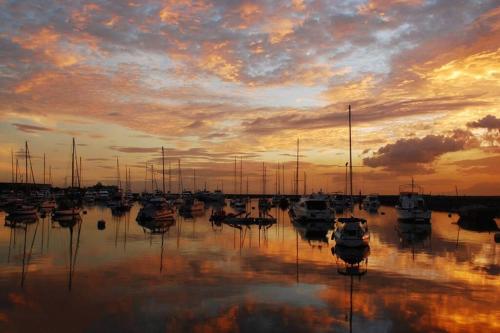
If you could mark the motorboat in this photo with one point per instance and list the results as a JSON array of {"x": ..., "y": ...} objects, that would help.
[
  {"x": 48, "y": 206},
  {"x": 351, "y": 232},
  {"x": 371, "y": 202},
  {"x": 156, "y": 209},
  {"x": 313, "y": 212},
  {"x": 411, "y": 206},
  {"x": 102, "y": 195}
]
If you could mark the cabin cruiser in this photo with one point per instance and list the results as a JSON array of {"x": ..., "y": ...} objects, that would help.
[
  {"x": 411, "y": 206},
  {"x": 156, "y": 209},
  {"x": 264, "y": 204},
  {"x": 22, "y": 212},
  {"x": 351, "y": 232},
  {"x": 371, "y": 202},
  {"x": 216, "y": 196},
  {"x": 66, "y": 208},
  {"x": 313, "y": 211},
  {"x": 90, "y": 196},
  {"x": 102, "y": 195},
  {"x": 47, "y": 206}
]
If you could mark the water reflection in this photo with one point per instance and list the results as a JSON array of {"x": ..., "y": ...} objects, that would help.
[{"x": 224, "y": 277}]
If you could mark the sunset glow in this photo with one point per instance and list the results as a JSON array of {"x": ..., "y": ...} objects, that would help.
[{"x": 211, "y": 81}]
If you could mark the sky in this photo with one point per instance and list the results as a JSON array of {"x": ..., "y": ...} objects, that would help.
[{"x": 214, "y": 80}]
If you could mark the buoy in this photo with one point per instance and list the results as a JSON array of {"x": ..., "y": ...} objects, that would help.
[
  {"x": 497, "y": 237},
  {"x": 449, "y": 214},
  {"x": 84, "y": 212},
  {"x": 382, "y": 213},
  {"x": 101, "y": 224}
]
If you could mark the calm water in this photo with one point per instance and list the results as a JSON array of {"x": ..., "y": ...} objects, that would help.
[{"x": 211, "y": 279}]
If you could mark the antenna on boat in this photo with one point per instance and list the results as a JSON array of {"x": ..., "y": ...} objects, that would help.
[
  {"x": 163, "y": 168},
  {"x": 297, "y": 171},
  {"x": 12, "y": 164},
  {"x": 350, "y": 156}
]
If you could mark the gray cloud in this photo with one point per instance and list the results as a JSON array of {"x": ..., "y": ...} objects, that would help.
[
  {"x": 414, "y": 153},
  {"x": 489, "y": 122},
  {"x": 31, "y": 128}
]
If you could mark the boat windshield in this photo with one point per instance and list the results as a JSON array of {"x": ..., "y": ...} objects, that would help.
[{"x": 316, "y": 205}]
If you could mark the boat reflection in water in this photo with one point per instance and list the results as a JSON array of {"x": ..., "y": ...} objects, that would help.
[
  {"x": 351, "y": 262},
  {"x": 157, "y": 227},
  {"x": 71, "y": 223},
  {"x": 411, "y": 234}
]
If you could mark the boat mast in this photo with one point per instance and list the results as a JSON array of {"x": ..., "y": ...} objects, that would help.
[
  {"x": 350, "y": 154},
  {"x": 73, "y": 163},
  {"x": 152, "y": 178},
  {"x": 297, "y": 171},
  {"x": 169, "y": 176},
  {"x": 305, "y": 184},
  {"x": 179, "y": 181},
  {"x": 194, "y": 180},
  {"x": 26, "y": 164},
  {"x": 234, "y": 187},
  {"x": 80, "y": 179},
  {"x": 283, "y": 177},
  {"x": 163, "y": 168},
  {"x": 263, "y": 180},
  {"x": 241, "y": 175},
  {"x": 118, "y": 182},
  {"x": 146, "y": 179},
  {"x": 44, "y": 168},
  {"x": 12, "y": 164}
]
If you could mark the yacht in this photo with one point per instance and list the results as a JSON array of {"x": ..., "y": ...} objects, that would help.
[
  {"x": 102, "y": 195},
  {"x": 66, "y": 208},
  {"x": 314, "y": 212},
  {"x": 371, "y": 202},
  {"x": 90, "y": 196},
  {"x": 411, "y": 206},
  {"x": 156, "y": 209},
  {"x": 351, "y": 232}
]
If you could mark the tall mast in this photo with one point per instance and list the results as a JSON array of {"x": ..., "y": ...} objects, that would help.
[
  {"x": 179, "y": 181},
  {"x": 194, "y": 180},
  {"x": 234, "y": 189},
  {"x": 263, "y": 184},
  {"x": 12, "y": 164},
  {"x": 163, "y": 168},
  {"x": 350, "y": 155},
  {"x": 26, "y": 163},
  {"x": 169, "y": 176},
  {"x": 80, "y": 179},
  {"x": 73, "y": 164},
  {"x": 297, "y": 171},
  {"x": 146, "y": 179},
  {"x": 241, "y": 175},
  {"x": 283, "y": 177},
  {"x": 152, "y": 178},
  {"x": 118, "y": 181},
  {"x": 44, "y": 168},
  {"x": 305, "y": 184}
]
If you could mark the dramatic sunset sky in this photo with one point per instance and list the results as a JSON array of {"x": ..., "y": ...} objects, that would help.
[{"x": 211, "y": 80}]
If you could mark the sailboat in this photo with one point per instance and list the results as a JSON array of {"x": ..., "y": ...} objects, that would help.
[
  {"x": 69, "y": 206},
  {"x": 351, "y": 231},
  {"x": 24, "y": 211}
]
